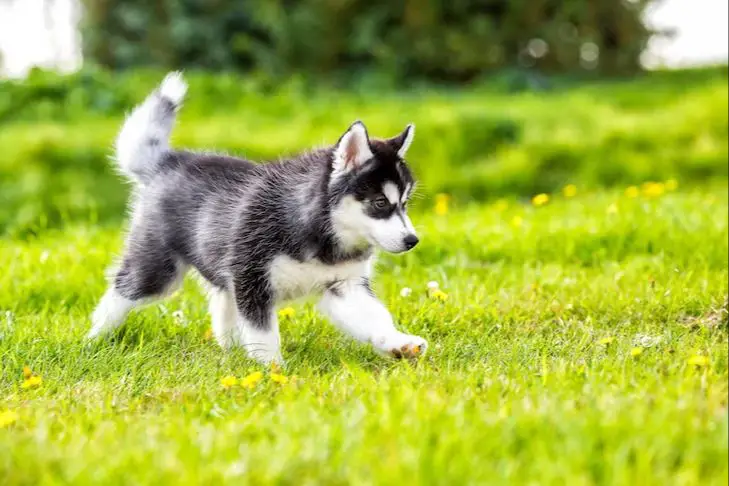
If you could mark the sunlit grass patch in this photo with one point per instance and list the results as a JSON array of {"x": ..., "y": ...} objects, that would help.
[{"x": 580, "y": 346}]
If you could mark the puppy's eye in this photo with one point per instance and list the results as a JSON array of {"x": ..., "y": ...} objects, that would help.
[{"x": 380, "y": 203}]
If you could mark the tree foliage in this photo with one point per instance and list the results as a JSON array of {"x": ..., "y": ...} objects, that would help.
[{"x": 442, "y": 40}]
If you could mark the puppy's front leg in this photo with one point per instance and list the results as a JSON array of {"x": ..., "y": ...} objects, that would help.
[
  {"x": 261, "y": 339},
  {"x": 257, "y": 321},
  {"x": 354, "y": 309}
]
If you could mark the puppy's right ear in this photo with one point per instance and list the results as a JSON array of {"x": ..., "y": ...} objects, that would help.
[{"x": 352, "y": 149}]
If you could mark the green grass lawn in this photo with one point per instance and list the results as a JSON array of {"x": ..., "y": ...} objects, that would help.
[{"x": 581, "y": 342}]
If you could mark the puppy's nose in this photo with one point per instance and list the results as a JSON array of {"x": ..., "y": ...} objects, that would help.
[{"x": 410, "y": 241}]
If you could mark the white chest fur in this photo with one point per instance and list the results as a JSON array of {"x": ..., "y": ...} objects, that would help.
[{"x": 293, "y": 279}]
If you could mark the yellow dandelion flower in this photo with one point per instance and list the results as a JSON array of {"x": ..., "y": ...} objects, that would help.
[
  {"x": 612, "y": 209},
  {"x": 540, "y": 199},
  {"x": 570, "y": 190},
  {"x": 279, "y": 378},
  {"x": 438, "y": 294},
  {"x": 7, "y": 417},
  {"x": 251, "y": 380},
  {"x": 228, "y": 381},
  {"x": 671, "y": 185},
  {"x": 637, "y": 351},
  {"x": 501, "y": 205},
  {"x": 653, "y": 189},
  {"x": 517, "y": 221},
  {"x": 208, "y": 335},
  {"x": 286, "y": 313},
  {"x": 606, "y": 341},
  {"x": 698, "y": 361},
  {"x": 632, "y": 192},
  {"x": 441, "y": 204},
  {"x": 32, "y": 382},
  {"x": 27, "y": 373}
]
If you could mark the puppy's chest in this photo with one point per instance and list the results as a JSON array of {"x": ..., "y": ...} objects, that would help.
[{"x": 291, "y": 278}]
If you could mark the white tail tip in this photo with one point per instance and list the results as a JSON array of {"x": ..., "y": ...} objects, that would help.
[{"x": 173, "y": 87}]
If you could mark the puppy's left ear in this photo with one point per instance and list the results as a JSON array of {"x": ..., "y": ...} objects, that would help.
[{"x": 402, "y": 142}]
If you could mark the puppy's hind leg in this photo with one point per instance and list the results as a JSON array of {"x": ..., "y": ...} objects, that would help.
[
  {"x": 140, "y": 280},
  {"x": 110, "y": 313}
]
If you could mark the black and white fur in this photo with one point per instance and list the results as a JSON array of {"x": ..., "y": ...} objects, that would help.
[{"x": 261, "y": 233}]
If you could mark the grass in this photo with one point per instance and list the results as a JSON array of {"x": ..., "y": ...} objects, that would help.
[
  {"x": 582, "y": 341},
  {"x": 477, "y": 144},
  {"x": 531, "y": 378}
]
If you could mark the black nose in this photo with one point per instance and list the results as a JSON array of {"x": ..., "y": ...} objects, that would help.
[{"x": 410, "y": 241}]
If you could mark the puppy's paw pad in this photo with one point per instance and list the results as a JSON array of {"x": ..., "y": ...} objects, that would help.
[
  {"x": 407, "y": 347},
  {"x": 412, "y": 350}
]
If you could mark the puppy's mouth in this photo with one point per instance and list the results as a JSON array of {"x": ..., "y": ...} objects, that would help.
[
  {"x": 395, "y": 252},
  {"x": 394, "y": 249}
]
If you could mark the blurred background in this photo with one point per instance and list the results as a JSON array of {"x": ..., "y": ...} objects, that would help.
[
  {"x": 316, "y": 36},
  {"x": 511, "y": 97},
  {"x": 447, "y": 40}
]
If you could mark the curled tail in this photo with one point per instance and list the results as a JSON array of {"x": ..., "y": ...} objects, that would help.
[{"x": 144, "y": 138}]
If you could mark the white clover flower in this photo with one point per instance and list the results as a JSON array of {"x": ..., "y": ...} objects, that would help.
[
  {"x": 179, "y": 316},
  {"x": 432, "y": 285},
  {"x": 646, "y": 341},
  {"x": 405, "y": 292}
]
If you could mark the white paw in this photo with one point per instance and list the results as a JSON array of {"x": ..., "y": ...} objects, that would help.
[
  {"x": 401, "y": 346},
  {"x": 263, "y": 346},
  {"x": 109, "y": 314},
  {"x": 94, "y": 333},
  {"x": 265, "y": 356},
  {"x": 228, "y": 339}
]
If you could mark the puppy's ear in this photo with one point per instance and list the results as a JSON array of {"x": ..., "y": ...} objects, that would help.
[
  {"x": 353, "y": 148},
  {"x": 402, "y": 142}
]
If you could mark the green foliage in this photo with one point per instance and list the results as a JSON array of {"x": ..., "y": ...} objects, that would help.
[
  {"x": 480, "y": 144},
  {"x": 46, "y": 95},
  {"x": 430, "y": 39}
]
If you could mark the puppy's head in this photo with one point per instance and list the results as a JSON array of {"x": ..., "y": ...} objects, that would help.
[{"x": 370, "y": 184}]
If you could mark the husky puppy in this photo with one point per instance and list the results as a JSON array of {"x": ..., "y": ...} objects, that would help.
[{"x": 261, "y": 233}]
